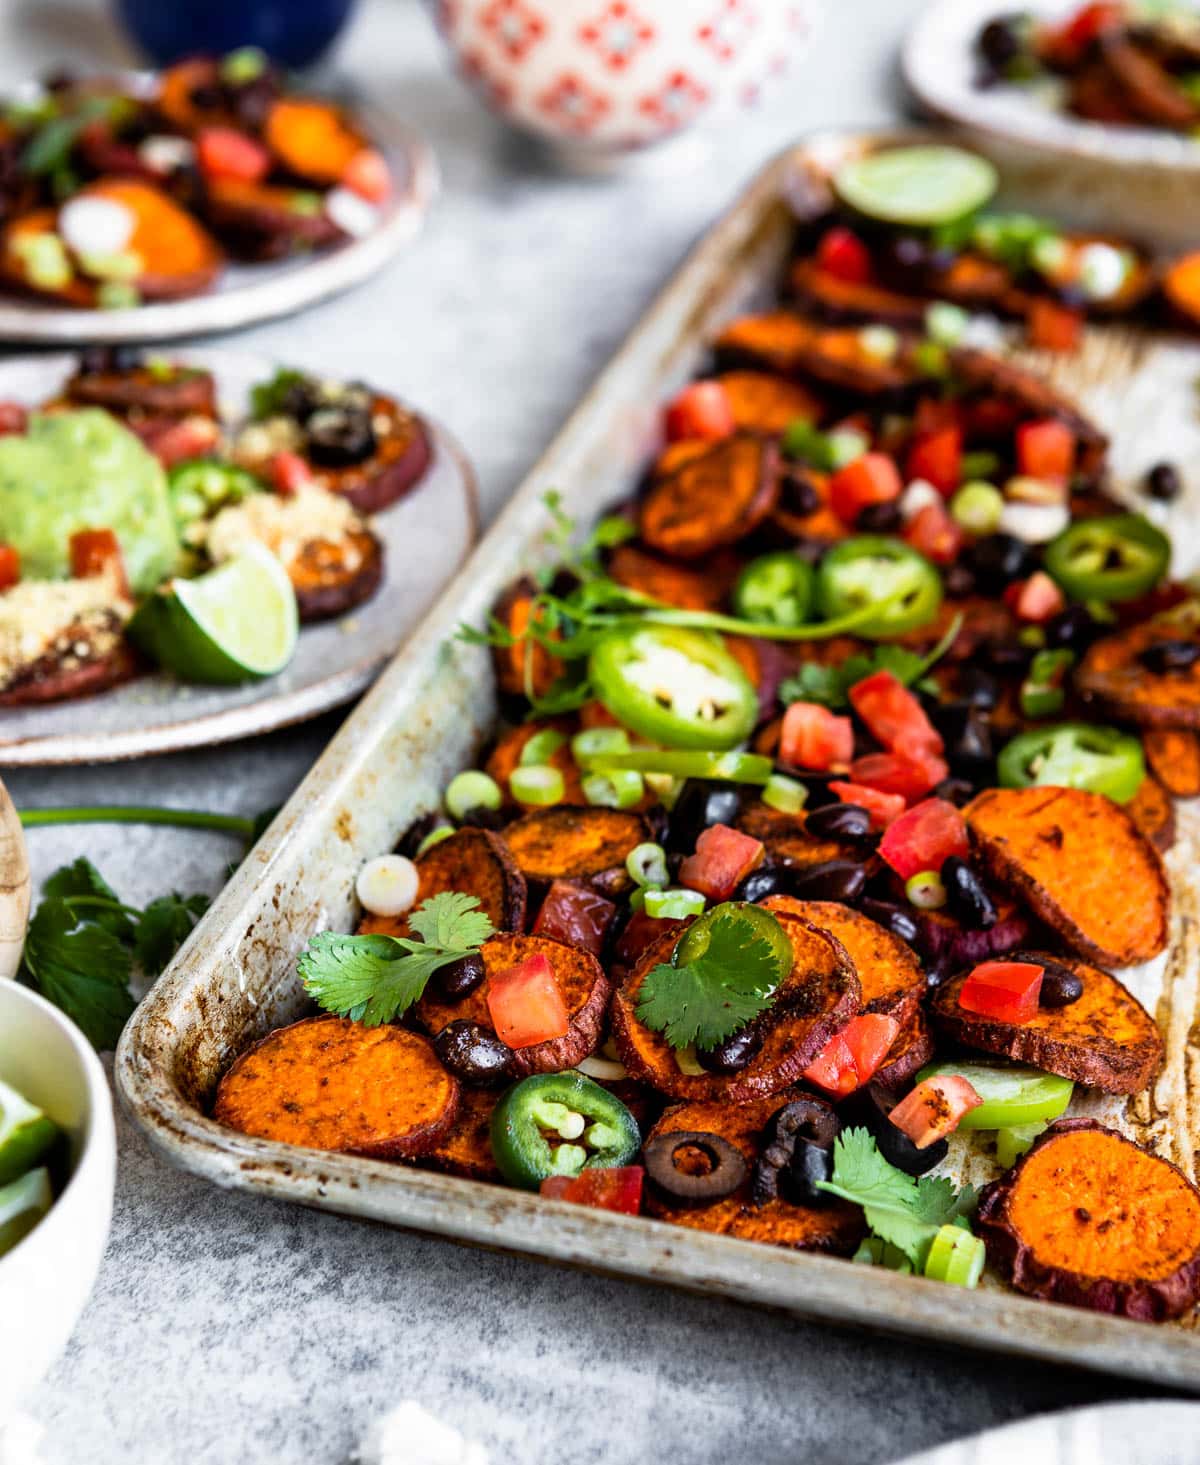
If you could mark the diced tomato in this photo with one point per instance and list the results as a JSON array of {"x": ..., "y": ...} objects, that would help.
[
  {"x": 526, "y": 1005},
  {"x": 1053, "y": 327},
  {"x": 1068, "y": 41},
  {"x": 932, "y": 1110},
  {"x": 97, "y": 552},
  {"x": 893, "y": 715},
  {"x": 932, "y": 532},
  {"x": 289, "y": 473},
  {"x": 889, "y": 773},
  {"x": 1046, "y": 449},
  {"x": 13, "y": 418},
  {"x": 10, "y": 566},
  {"x": 640, "y": 933},
  {"x": 851, "y": 1057},
  {"x": 618, "y": 1188},
  {"x": 871, "y": 479},
  {"x": 723, "y": 859},
  {"x": 1008, "y": 991},
  {"x": 175, "y": 441},
  {"x": 1037, "y": 599},
  {"x": 813, "y": 737},
  {"x": 843, "y": 254},
  {"x": 223, "y": 152},
  {"x": 576, "y": 915},
  {"x": 367, "y": 175},
  {"x": 924, "y": 838},
  {"x": 883, "y": 808},
  {"x": 936, "y": 414},
  {"x": 937, "y": 457},
  {"x": 702, "y": 410}
]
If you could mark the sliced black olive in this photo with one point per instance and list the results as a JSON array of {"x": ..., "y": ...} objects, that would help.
[
  {"x": 871, "y": 1107},
  {"x": 734, "y": 1054},
  {"x": 840, "y": 880},
  {"x": 727, "y": 1167},
  {"x": 703, "y": 802},
  {"x": 761, "y": 883},
  {"x": 473, "y": 1054},
  {"x": 790, "y": 1163},
  {"x": 966, "y": 897},
  {"x": 891, "y": 917},
  {"x": 460, "y": 978},
  {"x": 839, "y": 821},
  {"x": 1164, "y": 657},
  {"x": 1072, "y": 628},
  {"x": 1163, "y": 482},
  {"x": 879, "y": 518},
  {"x": 999, "y": 559},
  {"x": 301, "y": 399},
  {"x": 339, "y": 437},
  {"x": 1060, "y": 985}
]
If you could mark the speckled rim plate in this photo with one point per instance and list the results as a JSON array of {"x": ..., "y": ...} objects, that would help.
[
  {"x": 939, "y": 64},
  {"x": 249, "y": 293},
  {"x": 426, "y": 537}
]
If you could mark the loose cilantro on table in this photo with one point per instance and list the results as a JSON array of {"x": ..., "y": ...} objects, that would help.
[
  {"x": 374, "y": 979},
  {"x": 901, "y": 1211},
  {"x": 706, "y": 1000},
  {"x": 830, "y": 685}
]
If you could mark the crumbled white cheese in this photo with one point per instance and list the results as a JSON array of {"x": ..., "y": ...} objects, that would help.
[
  {"x": 283, "y": 525},
  {"x": 262, "y": 440},
  {"x": 918, "y": 495},
  {"x": 676, "y": 681},
  {"x": 410, "y": 1435},
  {"x": 1102, "y": 270},
  {"x": 1034, "y": 523},
  {"x": 35, "y": 614},
  {"x": 351, "y": 213},
  {"x": 99, "y": 226},
  {"x": 164, "y": 153}
]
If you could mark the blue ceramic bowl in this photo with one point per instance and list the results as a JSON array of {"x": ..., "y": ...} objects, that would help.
[{"x": 295, "y": 32}]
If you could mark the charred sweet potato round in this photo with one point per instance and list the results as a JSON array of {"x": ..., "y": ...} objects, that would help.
[
  {"x": 505, "y": 757},
  {"x": 1078, "y": 861},
  {"x": 331, "y": 577},
  {"x": 466, "y": 1147},
  {"x": 1153, "y": 812},
  {"x": 689, "y": 587},
  {"x": 768, "y": 404},
  {"x": 525, "y": 660},
  {"x": 478, "y": 863},
  {"x": 818, "y": 997},
  {"x": 1173, "y": 754},
  {"x": 403, "y": 452},
  {"x": 716, "y": 499},
  {"x": 63, "y": 675},
  {"x": 260, "y": 221},
  {"x": 787, "y": 841},
  {"x": 187, "y": 392},
  {"x": 835, "y": 299},
  {"x": 332, "y": 1084},
  {"x": 1091, "y": 1219},
  {"x": 913, "y": 1049},
  {"x": 832, "y": 355},
  {"x": 589, "y": 845},
  {"x": 1112, "y": 671},
  {"x": 580, "y": 978}
]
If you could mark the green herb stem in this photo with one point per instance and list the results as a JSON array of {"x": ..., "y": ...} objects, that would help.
[{"x": 140, "y": 814}]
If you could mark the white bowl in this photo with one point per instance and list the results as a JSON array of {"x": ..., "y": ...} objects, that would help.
[{"x": 45, "y": 1280}]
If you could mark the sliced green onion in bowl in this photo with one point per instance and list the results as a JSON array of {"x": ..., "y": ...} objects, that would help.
[
  {"x": 956, "y": 1256},
  {"x": 540, "y": 785},
  {"x": 541, "y": 747},
  {"x": 788, "y": 795},
  {"x": 647, "y": 865},
  {"x": 616, "y": 788},
  {"x": 926, "y": 891},
  {"x": 674, "y": 904},
  {"x": 472, "y": 790}
]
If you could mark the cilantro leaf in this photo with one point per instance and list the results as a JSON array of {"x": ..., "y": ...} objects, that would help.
[
  {"x": 812, "y": 683},
  {"x": 707, "y": 1000},
  {"x": 452, "y": 921},
  {"x": 82, "y": 881},
  {"x": 830, "y": 685},
  {"x": 82, "y": 967},
  {"x": 163, "y": 927},
  {"x": 267, "y": 399}
]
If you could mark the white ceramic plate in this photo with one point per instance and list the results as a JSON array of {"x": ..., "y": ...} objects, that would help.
[
  {"x": 426, "y": 537},
  {"x": 248, "y": 293}
]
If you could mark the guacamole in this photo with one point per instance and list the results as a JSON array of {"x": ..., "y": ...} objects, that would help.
[{"x": 83, "y": 470}]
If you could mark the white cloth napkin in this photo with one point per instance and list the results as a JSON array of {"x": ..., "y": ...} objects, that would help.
[{"x": 1109, "y": 1434}]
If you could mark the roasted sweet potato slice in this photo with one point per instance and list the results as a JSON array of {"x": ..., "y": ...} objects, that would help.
[
  {"x": 971, "y": 280},
  {"x": 834, "y": 355},
  {"x": 506, "y": 756},
  {"x": 175, "y": 88},
  {"x": 1173, "y": 754},
  {"x": 675, "y": 455},
  {"x": 714, "y": 500},
  {"x": 913, "y": 1049},
  {"x": 330, "y": 577},
  {"x": 768, "y": 404},
  {"x": 1181, "y": 287},
  {"x": 261, "y": 221},
  {"x": 1106, "y": 1039},
  {"x": 689, "y": 587},
  {"x": 1091, "y": 1219},
  {"x": 817, "y": 999},
  {"x": 1080, "y": 864},
  {"x": 180, "y": 256},
  {"x": 836, "y": 1227},
  {"x": 313, "y": 139},
  {"x": 891, "y": 978},
  {"x": 478, "y": 863},
  {"x": 524, "y": 668},
  {"x": 1148, "y": 88},
  {"x": 184, "y": 391},
  {"x": 1112, "y": 670},
  {"x": 1095, "y": 95},
  {"x": 81, "y": 664},
  {"x": 588, "y": 845},
  {"x": 403, "y": 452},
  {"x": 580, "y": 978},
  {"x": 1153, "y": 812},
  {"x": 332, "y": 1084},
  {"x": 466, "y": 1147},
  {"x": 787, "y": 841},
  {"x": 835, "y": 299}
]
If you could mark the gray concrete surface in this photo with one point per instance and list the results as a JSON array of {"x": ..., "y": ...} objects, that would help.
[{"x": 228, "y": 1329}]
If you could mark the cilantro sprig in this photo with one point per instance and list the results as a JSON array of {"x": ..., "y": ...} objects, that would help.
[
  {"x": 374, "y": 979},
  {"x": 706, "y": 1000},
  {"x": 830, "y": 685},
  {"x": 903, "y": 1212}
]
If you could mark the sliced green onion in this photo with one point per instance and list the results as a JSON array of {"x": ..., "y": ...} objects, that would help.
[
  {"x": 804, "y": 442},
  {"x": 1050, "y": 254},
  {"x": 616, "y": 788},
  {"x": 117, "y": 295},
  {"x": 435, "y": 836},
  {"x": 1032, "y": 636},
  {"x": 881, "y": 343},
  {"x": 977, "y": 506},
  {"x": 1038, "y": 700},
  {"x": 926, "y": 891},
  {"x": 674, "y": 904},
  {"x": 647, "y": 865},
  {"x": 590, "y": 744},
  {"x": 1015, "y": 1141},
  {"x": 690, "y": 763},
  {"x": 956, "y": 1256},
  {"x": 845, "y": 444},
  {"x": 788, "y": 795},
  {"x": 540, "y": 784},
  {"x": 124, "y": 265},
  {"x": 637, "y": 899},
  {"x": 541, "y": 747},
  {"x": 472, "y": 790},
  {"x": 945, "y": 323},
  {"x": 243, "y": 65}
]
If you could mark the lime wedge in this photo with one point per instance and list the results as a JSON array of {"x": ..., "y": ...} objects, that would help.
[
  {"x": 918, "y": 187},
  {"x": 25, "y": 1134},
  {"x": 22, "y": 1206},
  {"x": 234, "y": 623}
]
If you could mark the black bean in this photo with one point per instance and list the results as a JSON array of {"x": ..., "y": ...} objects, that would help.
[
  {"x": 999, "y": 559},
  {"x": 339, "y": 437},
  {"x": 957, "y": 791},
  {"x": 797, "y": 492},
  {"x": 761, "y": 883},
  {"x": 879, "y": 518},
  {"x": 871, "y": 1107},
  {"x": 978, "y": 687},
  {"x": 474, "y": 1054},
  {"x": 1072, "y": 628},
  {"x": 999, "y": 43},
  {"x": 958, "y": 579},
  {"x": 965, "y": 896},
  {"x": 733, "y": 1054},
  {"x": 839, "y": 821},
  {"x": 1163, "y": 482},
  {"x": 703, "y": 802},
  {"x": 1164, "y": 657},
  {"x": 460, "y": 978},
  {"x": 891, "y": 917},
  {"x": 1060, "y": 987},
  {"x": 840, "y": 880}
]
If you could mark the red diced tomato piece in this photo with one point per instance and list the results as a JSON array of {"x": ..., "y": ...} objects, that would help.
[
  {"x": 937, "y": 458},
  {"x": 1008, "y": 991},
  {"x": 1053, "y": 327},
  {"x": 883, "y": 808},
  {"x": 289, "y": 473},
  {"x": 843, "y": 254},
  {"x": 851, "y": 1057},
  {"x": 932, "y": 532},
  {"x": 723, "y": 859},
  {"x": 526, "y": 1005},
  {"x": 618, "y": 1188},
  {"x": 174, "y": 442},
  {"x": 813, "y": 737},
  {"x": 889, "y": 773},
  {"x": 933, "y": 1109},
  {"x": 702, "y": 410},
  {"x": 1037, "y": 599},
  {"x": 1046, "y": 449},
  {"x": 97, "y": 552},
  {"x": 10, "y": 566},
  {"x": 1067, "y": 42},
  {"x": 367, "y": 175},
  {"x": 934, "y": 414},
  {"x": 223, "y": 152},
  {"x": 575, "y": 915},
  {"x": 13, "y": 418},
  {"x": 893, "y": 715},
  {"x": 871, "y": 479},
  {"x": 640, "y": 933},
  {"x": 924, "y": 838}
]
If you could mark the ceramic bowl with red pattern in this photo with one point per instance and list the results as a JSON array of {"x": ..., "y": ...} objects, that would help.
[{"x": 612, "y": 76}]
